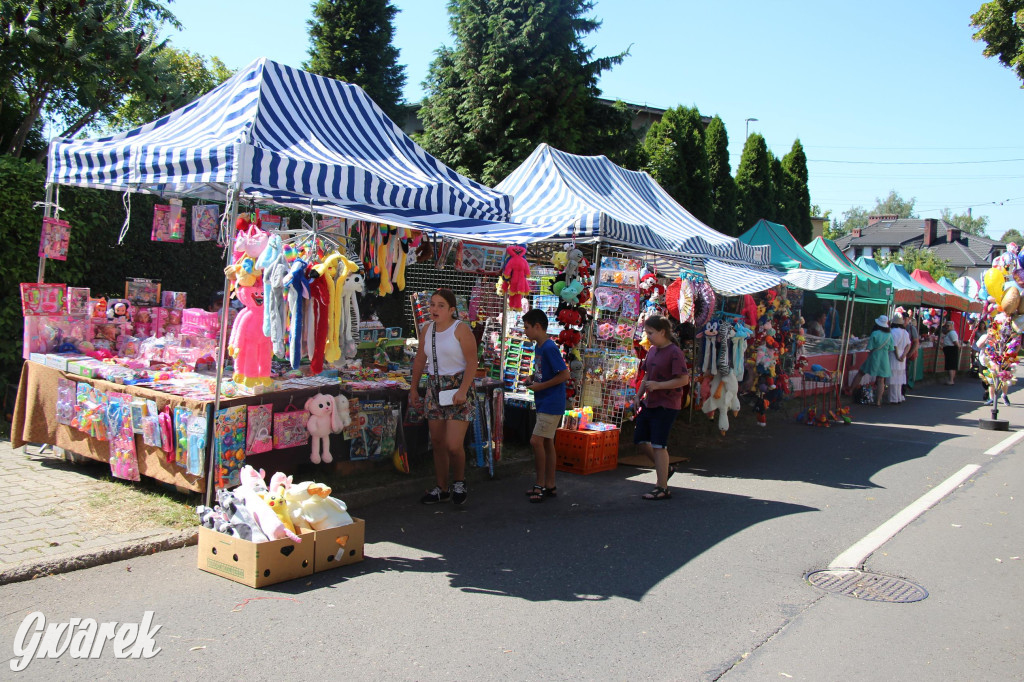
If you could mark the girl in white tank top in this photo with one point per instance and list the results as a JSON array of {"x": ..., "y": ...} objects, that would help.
[{"x": 450, "y": 358}]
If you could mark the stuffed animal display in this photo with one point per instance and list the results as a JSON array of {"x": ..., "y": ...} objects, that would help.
[{"x": 258, "y": 513}]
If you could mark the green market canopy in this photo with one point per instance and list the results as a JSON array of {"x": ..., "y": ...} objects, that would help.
[
  {"x": 803, "y": 270},
  {"x": 866, "y": 287}
]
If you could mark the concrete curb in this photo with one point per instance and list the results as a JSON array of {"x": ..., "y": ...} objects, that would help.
[{"x": 30, "y": 570}]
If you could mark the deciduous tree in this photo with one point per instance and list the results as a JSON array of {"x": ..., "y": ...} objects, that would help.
[
  {"x": 1000, "y": 25},
  {"x": 913, "y": 258},
  {"x": 966, "y": 222},
  {"x": 75, "y": 61}
]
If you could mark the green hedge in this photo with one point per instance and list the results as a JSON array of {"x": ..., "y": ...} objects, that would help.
[{"x": 94, "y": 258}]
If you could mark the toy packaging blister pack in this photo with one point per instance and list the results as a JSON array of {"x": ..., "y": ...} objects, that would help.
[
  {"x": 142, "y": 293},
  {"x": 196, "y": 431},
  {"x": 168, "y": 223},
  {"x": 67, "y": 401},
  {"x": 290, "y": 428},
  {"x": 205, "y": 222},
  {"x": 54, "y": 239},
  {"x": 258, "y": 429},
  {"x": 229, "y": 446},
  {"x": 124, "y": 462},
  {"x": 181, "y": 417},
  {"x": 91, "y": 413}
]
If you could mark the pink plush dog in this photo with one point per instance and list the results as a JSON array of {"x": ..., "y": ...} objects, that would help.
[{"x": 327, "y": 415}]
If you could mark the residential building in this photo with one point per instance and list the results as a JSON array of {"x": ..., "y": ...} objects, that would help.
[{"x": 968, "y": 254}]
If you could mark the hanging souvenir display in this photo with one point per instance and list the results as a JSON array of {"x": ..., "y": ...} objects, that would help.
[
  {"x": 205, "y": 222},
  {"x": 53, "y": 242},
  {"x": 168, "y": 223}
]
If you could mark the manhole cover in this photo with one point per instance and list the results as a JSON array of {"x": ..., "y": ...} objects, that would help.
[{"x": 867, "y": 586}]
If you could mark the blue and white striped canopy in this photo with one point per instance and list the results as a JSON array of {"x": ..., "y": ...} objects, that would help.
[
  {"x": 589, "y": 197},
  {"x": 291, "y": 137}
]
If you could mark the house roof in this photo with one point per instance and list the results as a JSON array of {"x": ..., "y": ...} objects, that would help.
[{"x": 968, "y": 251}]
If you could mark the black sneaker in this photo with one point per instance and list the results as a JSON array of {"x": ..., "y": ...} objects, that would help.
[
  {"x": 435, "y": 496},
  {"x": 458, "y": 492},
  {"x": 1006, "y": 399}
]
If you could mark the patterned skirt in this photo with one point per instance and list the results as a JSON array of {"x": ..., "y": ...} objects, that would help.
[{"x": 433, "y": 409}]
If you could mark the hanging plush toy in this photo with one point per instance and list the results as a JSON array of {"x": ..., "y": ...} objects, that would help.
[
  {"x": 723, "y": 397},
  {"x": 248, "y": 345},
  {"x": 298, "y": 293},
  {"x": 325, "y": 418},
  {"x": 352, "y": 285},
  {"x": 574, "y": 257},
  {"x": 514, "y": 277}
]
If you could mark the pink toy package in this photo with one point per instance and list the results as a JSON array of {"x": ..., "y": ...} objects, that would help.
[
  {"x": 199, "y": 322},
  {"x": 78, "y": 301},
  {"x": 173, "y": 299},
  {"x": 48, "y": 333},
  {"x": 170, "y": 321},
  {"x": 43, "y": 299},
  {"x": 146, "y": 322}
]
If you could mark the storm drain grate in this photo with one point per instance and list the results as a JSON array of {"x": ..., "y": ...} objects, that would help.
[{"x": 867, "y": 586}]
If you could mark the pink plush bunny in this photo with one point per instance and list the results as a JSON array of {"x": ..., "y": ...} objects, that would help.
[
  {"x": 324, "y": 419},
  {"x": 514, "y": 277}
]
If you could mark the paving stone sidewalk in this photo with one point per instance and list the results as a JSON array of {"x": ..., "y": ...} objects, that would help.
[{"x": 40, "y": 511}]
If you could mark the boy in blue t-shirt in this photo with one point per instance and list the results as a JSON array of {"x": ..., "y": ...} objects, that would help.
[{"x": 549, "y": 398}]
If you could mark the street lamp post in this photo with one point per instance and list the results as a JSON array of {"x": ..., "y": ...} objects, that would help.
[{"x": 747, "y": 121}]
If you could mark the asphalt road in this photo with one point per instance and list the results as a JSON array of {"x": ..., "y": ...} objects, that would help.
[{"x": 599, "y": 584}]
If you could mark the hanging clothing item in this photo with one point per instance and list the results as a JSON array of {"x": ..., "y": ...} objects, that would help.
[
  {"x": 275, "y": 270},
  {"x": 725, "y": 334},
  {"x": 319, "y": 294},
  {"x": 298, "y": 294}
]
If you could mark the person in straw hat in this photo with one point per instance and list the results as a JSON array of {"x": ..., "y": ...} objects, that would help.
[{"x": 877, "y": 364}]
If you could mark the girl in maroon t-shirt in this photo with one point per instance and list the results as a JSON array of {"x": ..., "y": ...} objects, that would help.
[{"x": 660, "y": 395}]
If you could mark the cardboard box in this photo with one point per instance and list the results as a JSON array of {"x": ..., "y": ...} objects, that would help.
[
  {"x": 256, "y": 564},
  {"x": 58, "y": 361},
  {"x": 339, "y": 546}
]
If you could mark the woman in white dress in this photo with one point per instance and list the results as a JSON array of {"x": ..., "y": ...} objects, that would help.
[{"x": 898, "y": 359}]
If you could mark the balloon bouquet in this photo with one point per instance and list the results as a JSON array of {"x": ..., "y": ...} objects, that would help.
[{"x": 1003, "y": 316}]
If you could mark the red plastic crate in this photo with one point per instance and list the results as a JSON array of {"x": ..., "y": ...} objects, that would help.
[{"x": 586, "y": 452}]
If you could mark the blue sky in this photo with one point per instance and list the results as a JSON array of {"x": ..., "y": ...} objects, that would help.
[{"x": 883, "y": 95}]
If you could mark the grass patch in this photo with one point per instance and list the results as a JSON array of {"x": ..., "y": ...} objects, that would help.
[{"x": 120, "y": 508}]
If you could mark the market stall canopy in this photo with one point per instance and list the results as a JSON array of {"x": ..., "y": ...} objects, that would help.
[
  {"x": 868, "y": 288},
  {"x": 901, "y": 278},
  {"x": 296, "y": 139},
  {"x": 902, "y": 294},
  {"x": 949, "y": 300},
  {"x": 590, "y": 198},
  {"x": 802, "y": 270},
  {"x": 972, "y": 305}
]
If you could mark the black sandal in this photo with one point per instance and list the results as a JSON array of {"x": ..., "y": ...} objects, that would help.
[
  {"x": 538, "y": 494},
  {"x": 657, "y": 494},
  {"x": 551, "y": 492}
]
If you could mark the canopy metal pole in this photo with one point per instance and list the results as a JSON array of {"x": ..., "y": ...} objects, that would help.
[
  {"x": 593, "y": 287},
  {"x": 211, "y": 458},
  {"x": 47, "y": 213},
  {"x": 844, "y": 346}
]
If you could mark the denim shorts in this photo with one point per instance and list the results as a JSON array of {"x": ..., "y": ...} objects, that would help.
[{"x": 652, "y": 426}]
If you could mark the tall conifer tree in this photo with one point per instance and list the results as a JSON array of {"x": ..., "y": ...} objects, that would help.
[
  {"x": 351, "y": 40},
  {"x": 723, "y": 187},
  {"x": 517, "y": 75},
  {"x": 795, "y": 164},
  {"x": 677, "y": 160},
  {"x": 754, "y": 183}
]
